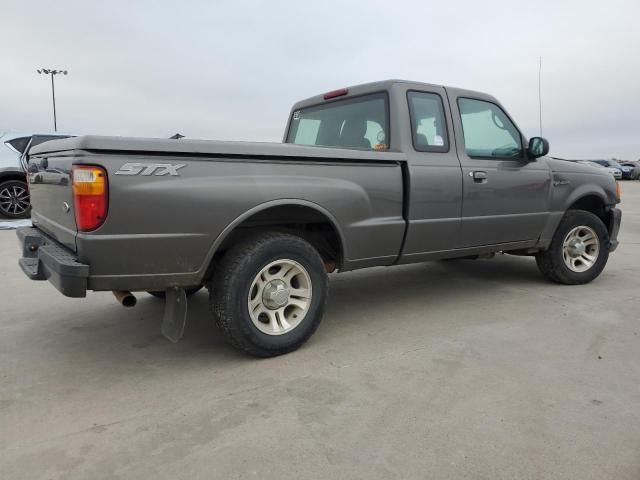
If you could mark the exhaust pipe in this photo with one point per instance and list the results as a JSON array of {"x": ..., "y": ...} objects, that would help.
[{"x": 125, "y": 298}]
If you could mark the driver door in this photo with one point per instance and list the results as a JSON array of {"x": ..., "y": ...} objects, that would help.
[{"x": 505, "y": 196}]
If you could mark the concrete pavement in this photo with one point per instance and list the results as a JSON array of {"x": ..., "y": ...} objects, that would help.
[{"x": 446, "y": 370}]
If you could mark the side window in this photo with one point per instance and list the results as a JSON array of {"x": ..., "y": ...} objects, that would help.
[
  {"x": 375, "y": 134},
  {"x": 307, "y": 131},
  {"x": 488, "y": 132},
  {"x": 428, "y": 127}
]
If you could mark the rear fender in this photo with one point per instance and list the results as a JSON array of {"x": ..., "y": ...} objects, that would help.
[{"x": 262, "y": 207}]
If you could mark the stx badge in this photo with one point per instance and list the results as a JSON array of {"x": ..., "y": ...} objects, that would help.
[{"x": 146, "y": 169}]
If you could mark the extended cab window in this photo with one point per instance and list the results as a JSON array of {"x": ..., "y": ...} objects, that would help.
[
  {"x": 488, "y": 132},
  {"x": 427, "y": 122},
  {"x": 360, "y": 122}
]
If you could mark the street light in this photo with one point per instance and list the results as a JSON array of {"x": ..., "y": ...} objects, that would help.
[{"x": 52, "y": 72}]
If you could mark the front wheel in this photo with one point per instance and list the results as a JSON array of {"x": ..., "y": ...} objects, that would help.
[
  {"x": 579, "y": 250},
  {"x": 268, "y": 294},
  {"x": 14, "y": 199}
]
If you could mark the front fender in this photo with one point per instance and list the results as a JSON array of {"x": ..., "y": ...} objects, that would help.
[
  {"x": 585, "y": 190},
  {"x": 570, "y": 187}
]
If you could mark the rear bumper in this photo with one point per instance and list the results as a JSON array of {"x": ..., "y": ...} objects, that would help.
[
  {"x": 614, "y": 228},
  {"x": 45, "y": 259}
]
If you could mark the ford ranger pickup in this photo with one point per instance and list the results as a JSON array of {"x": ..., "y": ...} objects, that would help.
[{"x": 381, "y": 174}]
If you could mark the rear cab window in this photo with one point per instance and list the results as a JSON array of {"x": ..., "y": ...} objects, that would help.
[
  {"x": 359, "y": 122},
  {"x": 428, "y": 127}
]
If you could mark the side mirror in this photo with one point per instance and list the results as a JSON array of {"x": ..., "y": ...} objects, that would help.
[{"x": 538, "y": 147}]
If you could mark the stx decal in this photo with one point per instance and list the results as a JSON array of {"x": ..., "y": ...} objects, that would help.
[{"x": 146, "y": 169}]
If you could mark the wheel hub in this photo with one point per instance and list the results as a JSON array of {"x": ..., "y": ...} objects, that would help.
[
  {"x": 280, "y": 297},
  {"x": 581, "y": 248},
  {"x": 576, "y": 248},
  {"x": 275, "y": 294}
]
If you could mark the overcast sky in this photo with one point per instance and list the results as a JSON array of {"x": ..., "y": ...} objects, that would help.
[{"x": 230, "y": 70}]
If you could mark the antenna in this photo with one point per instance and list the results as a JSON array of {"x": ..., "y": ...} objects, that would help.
[{"x": 540, "y": 93}]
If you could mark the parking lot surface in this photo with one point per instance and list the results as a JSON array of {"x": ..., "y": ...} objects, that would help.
[{"x": 466, "y": 369}]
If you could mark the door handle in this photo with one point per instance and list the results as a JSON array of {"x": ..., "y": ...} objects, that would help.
[{"x": 479, "y": 176}]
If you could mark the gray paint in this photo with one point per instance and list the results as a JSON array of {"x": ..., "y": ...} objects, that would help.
[
  {"x": 50, "y": 191},
  {"x": 396, "y": 206}
]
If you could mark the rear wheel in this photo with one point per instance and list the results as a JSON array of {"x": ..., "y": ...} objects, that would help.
[
  {"x": 268, "y": 294},
  {"x": 14, "y": 199},
  {"x": 579, "y": 250}
]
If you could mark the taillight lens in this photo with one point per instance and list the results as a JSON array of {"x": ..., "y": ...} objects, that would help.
[{"x": 90, "y": 196}]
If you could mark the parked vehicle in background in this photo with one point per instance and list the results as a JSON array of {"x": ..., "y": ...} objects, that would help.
[
  {"x": 614, "y": 172},
  {"x": 380, "y": 174},
  {"x": 14, "y": 194},
  {"x": 625, "y": 172},
  {"x": 635, "y": 169}
]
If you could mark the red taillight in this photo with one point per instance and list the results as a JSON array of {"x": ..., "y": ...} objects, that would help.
[
  {"x": 336, "y": 93},
  {"x": 90, "y": 196}
]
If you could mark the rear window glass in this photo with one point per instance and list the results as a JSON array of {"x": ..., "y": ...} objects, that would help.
[
  {"x": 360, "y": 123},
  {"x": 19, "y": 144},
  {"x": 427, "y": 122},
  {"x": 38, "y": 139}
]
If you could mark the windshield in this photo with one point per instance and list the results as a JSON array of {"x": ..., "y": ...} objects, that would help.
[{"x": 359, "y": 123}]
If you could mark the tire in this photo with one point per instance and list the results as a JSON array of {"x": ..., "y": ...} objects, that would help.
[
  {"x": 579, "y": 225},
  {"x": 251, "y": 272},
  {"x": 14, "y": 199},
  {"x": 188, "y": 291}
]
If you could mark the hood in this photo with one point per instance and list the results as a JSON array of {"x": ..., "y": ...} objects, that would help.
[{"x": 568, "y": 166}]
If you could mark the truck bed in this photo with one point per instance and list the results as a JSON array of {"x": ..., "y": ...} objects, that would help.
[{"x": 165, "y": 229}]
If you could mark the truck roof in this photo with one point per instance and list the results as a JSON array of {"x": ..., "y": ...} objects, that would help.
[
  {"x": 364, "y": 88},
  {"x": 193, "y": 146}
]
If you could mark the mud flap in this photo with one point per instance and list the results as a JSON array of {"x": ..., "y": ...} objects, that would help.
[{"x": 175, "y": 314}]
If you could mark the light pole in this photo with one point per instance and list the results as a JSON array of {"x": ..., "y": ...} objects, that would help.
[{"x": 52, "y": 72}]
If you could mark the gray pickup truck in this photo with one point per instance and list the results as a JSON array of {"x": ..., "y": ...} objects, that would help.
[{"x": 381, "y": 174}]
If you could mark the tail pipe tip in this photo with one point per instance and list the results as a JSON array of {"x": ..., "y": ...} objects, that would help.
[{"x": 126, "y": 298}]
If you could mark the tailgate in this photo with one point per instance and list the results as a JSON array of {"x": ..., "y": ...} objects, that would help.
[{"x": 52, "y": 198}]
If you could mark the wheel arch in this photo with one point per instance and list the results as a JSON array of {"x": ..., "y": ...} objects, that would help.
[
  {"x": 13, "y": 175},
  {"x": 595, "y": 203},
  {"x": 291, "y": 215},
  {"x": 588, "y": 196}
]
